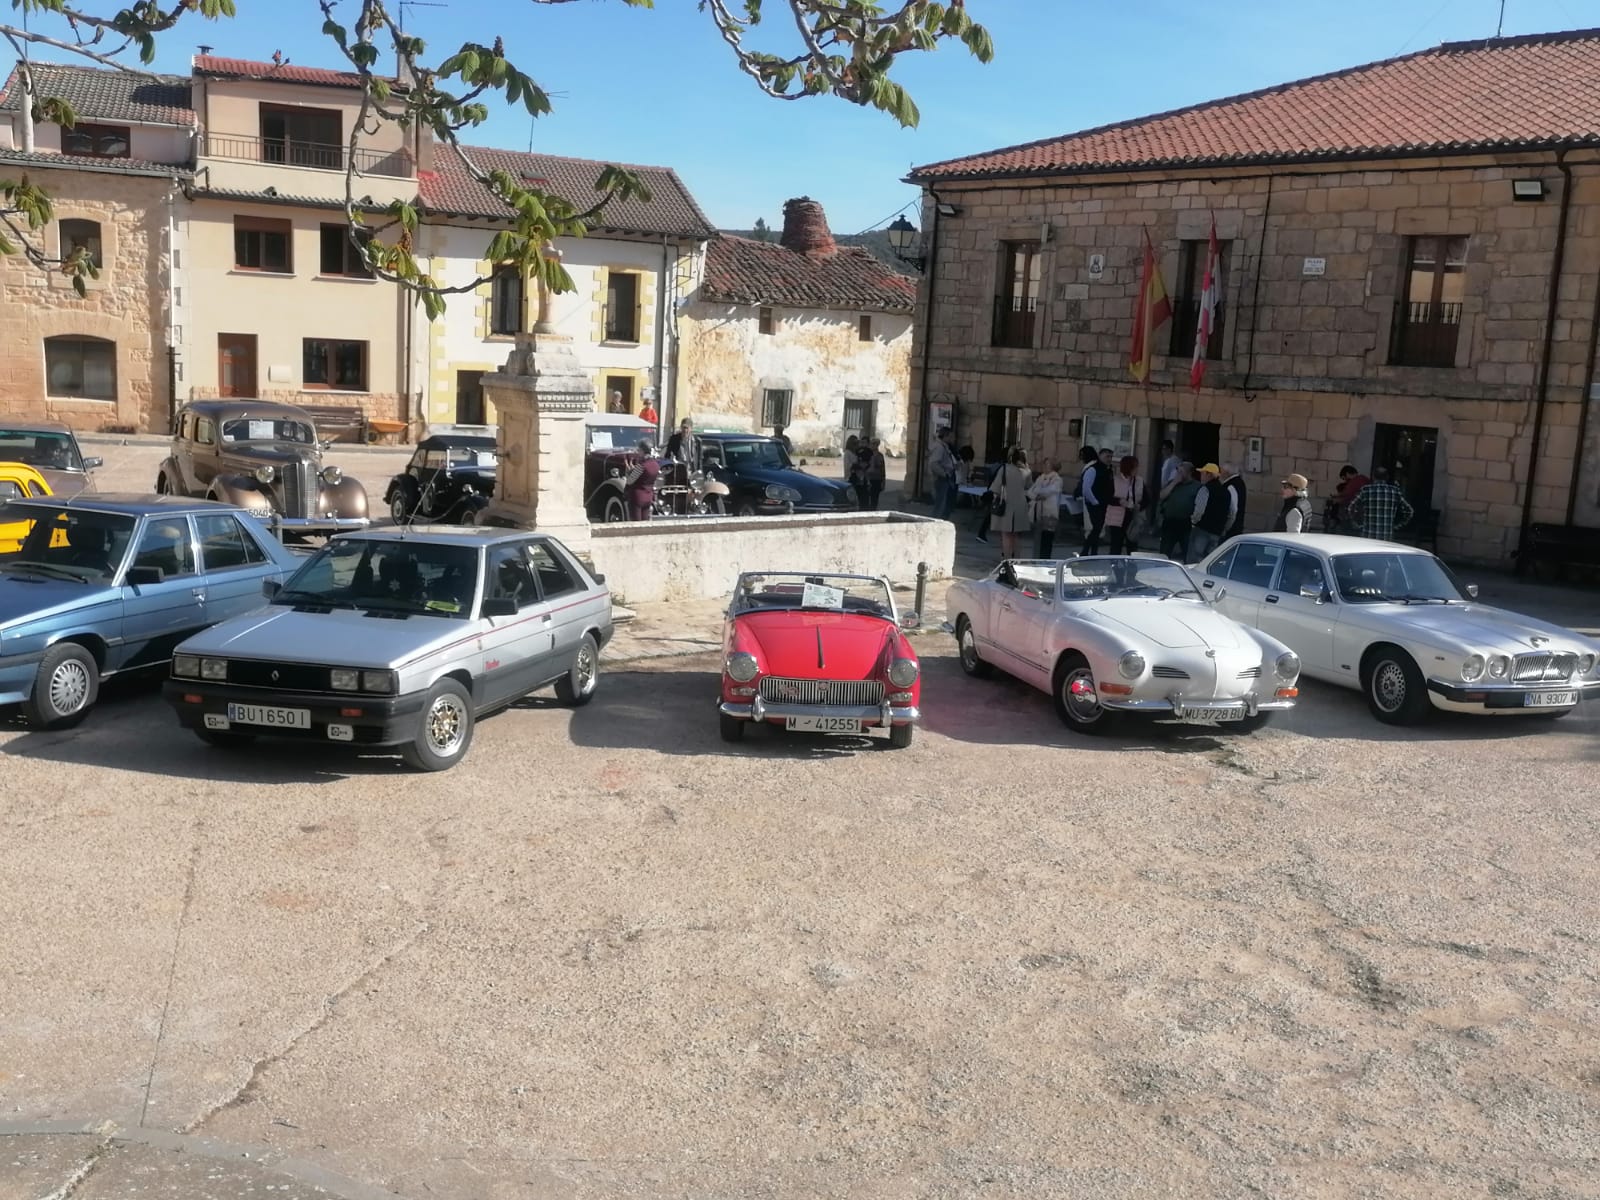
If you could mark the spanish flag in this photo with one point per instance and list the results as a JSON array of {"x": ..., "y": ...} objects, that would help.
[{"x": 1151, "y": 310}]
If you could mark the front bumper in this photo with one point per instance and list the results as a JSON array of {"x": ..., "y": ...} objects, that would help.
[
  {"x": 1504, "y": 697},
  {"x": 282, "y": 525},
  {"x": 381, "y": 720},
  {"x": 17, "y": 673},
  {"x": 1170, "y": 705},
  {"x": 871, "y": 716}
]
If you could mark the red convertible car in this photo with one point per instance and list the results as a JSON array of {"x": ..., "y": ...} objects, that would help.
[{"x": 818, "y": 654}]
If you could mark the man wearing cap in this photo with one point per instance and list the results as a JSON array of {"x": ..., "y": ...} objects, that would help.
[
  {"x": 1215, "y": 507},
  {"x": 1295, "y": 515}
]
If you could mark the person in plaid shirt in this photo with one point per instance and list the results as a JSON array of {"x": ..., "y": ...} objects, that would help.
[{"x": 1380, "y": 508}]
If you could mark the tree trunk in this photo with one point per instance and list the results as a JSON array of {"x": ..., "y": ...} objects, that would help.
[{"x": 26, "y": 106}]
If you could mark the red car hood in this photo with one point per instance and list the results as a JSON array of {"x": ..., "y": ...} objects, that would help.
[{"x": 818, "y": 645}]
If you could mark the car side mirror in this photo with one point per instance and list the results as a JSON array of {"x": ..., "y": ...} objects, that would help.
[
  {"x": 910, "y": 620},
  {"x": 599, "y": 577},
  {"x": 1219, "y": 594},
  {"x": 1310, "y": 591},
  {"x": 1472, "y": 590},
  {"x": 144, "y": 576},
  {"x": 270, "y": 588},
  {"x": 90, "y": 464},
  {"x": 500, "y": 606}
]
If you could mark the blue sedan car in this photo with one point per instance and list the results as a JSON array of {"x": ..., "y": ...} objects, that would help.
[{"x": 110, "y": 583}]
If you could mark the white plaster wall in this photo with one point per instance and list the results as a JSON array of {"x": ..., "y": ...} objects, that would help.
[
  {"x": 694, "y": 560},
  {"x": 726, "y": 364}
]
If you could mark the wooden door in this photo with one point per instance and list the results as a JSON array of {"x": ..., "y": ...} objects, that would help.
[{"x": 236, "y": 365}]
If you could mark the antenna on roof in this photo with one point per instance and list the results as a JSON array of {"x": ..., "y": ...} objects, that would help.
[
  {"x": 1502, "y": 24},
  {"x": 405, "y": 4}
]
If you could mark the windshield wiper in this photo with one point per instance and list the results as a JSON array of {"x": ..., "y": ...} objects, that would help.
[
  {"x": 312, "y": 599},
  {"x": 49, "y": 569},
  {"x": 1408, "y": 599}
]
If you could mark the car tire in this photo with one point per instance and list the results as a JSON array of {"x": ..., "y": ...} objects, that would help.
[
  {"x": 65, "y": 687},
  {"x": 1396, "y": 692},
  {"x": 967, "y": 645},
  {"x": 715, "y": 505},
  {"x": 577, "y": 687},
  {"x": 900, "y": 736},
  {"x": 400, "y": 507},
  {"x": 444, "y": 730},
  {"x": 1251, "y": 724},
  {"x": 731, "y": 728},
  {"x": 222, "y": 739},
  {"x": 745, "y": 508},
  {"x": 613, "y": 510},
  {"x": 1077, "y": 714}
]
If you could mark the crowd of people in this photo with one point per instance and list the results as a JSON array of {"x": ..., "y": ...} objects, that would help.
[{"x": 1192, "y": 512}]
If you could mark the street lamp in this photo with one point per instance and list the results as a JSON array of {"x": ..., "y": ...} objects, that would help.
[{"x": 903, "y": 235}]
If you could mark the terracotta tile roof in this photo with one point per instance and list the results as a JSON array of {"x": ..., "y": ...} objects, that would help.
[
  {"x": 1501, "y": 94},
  {"x": 452, "y": 191},
  {"x": 243, "y": 68},
  {"x": 114, "y": 166},
  {"x": 100, "y": 94},
  {"x": 742, "y": 271}
]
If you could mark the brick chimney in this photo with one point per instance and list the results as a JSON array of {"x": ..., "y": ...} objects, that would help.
[{"x": 805, "y": 228}]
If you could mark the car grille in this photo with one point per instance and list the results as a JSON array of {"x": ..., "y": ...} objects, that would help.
[
  {"x": 292, "y": 677},
  {"x": 1541, "y": 668},
  {"x": 862, "y": 693},
  {"x": 1169, "y": 672},
  {"x": 299, "y": 489}
]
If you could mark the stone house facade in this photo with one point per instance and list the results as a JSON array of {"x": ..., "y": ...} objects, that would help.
[
  {"x": 800, "y": 333},
  {"x": 1409, "y": 281},
  {"x": 629, "y": 275}
]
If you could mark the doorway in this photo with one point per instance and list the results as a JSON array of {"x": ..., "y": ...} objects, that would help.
[
  {"x": 1408, "y": 451},
  {"x": 860, "y": 418},
  {"x": 469, "y": 398},
  {"x": 236, "y": 365},
  {"x": 1003, "y": 431},
  {"x": 619, "y": 393}
]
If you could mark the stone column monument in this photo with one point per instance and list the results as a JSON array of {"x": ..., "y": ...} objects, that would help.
[{"x": 541, "y": 395}]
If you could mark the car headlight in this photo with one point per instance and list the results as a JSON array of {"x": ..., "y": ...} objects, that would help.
[
  {"x": 1131, "y": 665},
  {"x": 186, "y": 665},
  {"x": 1472, "y": 668},
  {"x": 378, "y": 681},
  {"x": 332, "y": 476},
  {"x": 1288, "y": 667},
  {"x": 777, "y": 491},
  {"x": 266, "y": 474},
  {"x": 1499, "y": 666},
  {"x": 742, "y": 667},
  {"x": 1585, "y": 664},
  {"x": 213, "y": 668},
  {"x": 903, "y": 672},
  {"x": 342, "y": 679}
]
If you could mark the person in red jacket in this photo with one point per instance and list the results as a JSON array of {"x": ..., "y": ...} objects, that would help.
[{"x": 639, "y": 488}]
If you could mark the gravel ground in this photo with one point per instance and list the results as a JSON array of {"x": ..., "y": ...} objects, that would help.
[{"x": 609, "y": 956}]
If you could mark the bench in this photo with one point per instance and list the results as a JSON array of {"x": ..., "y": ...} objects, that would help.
[
  {"x": 337, "y": 422},
  {"x": 1562, "y": 546}
]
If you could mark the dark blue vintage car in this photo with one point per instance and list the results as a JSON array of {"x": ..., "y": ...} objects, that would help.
[{"x": 110, "y": 583}]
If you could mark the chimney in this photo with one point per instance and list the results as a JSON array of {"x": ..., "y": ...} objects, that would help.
[{"x": 805, "y": 228}]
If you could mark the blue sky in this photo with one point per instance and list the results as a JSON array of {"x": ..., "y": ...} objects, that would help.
[{"x": 659, "y": 87}]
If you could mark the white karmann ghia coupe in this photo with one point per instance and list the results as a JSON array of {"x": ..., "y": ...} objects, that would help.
[{"x": 1113, "y": 636}]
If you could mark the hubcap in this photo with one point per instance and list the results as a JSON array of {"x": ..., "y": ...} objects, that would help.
[
  {"x": 445, "y": 726},
  {"x": 586, "y": 670},
  {"x": 1389, "y": 686},
  {"x": 69, "y": 687},
  {"x": 969, "y": 647},
  {"x": 397, "y": 510},
  {"x": 1078, "y": 696}
]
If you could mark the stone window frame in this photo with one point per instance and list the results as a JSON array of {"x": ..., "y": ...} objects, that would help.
[
  {"x": 61, "y": 341},
  {"x": 501, "y": 299},
  {"x": 1418, "y": 359},
  {"x": 611, "y": 333},
  {"x": 770, "y": 415},
  {"x": 56, "y": 247},
  {"x": 1006, "y": 238},
  {"x": 1190, "y": 277}
]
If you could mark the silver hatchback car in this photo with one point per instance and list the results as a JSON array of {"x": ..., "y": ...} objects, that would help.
[{"x": 399, "y": 637}]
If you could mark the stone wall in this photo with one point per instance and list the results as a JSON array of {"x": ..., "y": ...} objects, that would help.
[
  {"x": 1306, "y": 359},
  {"x": 125, "y": 306}
]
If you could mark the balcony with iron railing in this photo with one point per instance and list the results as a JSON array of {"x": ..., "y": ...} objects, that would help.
[
  {"x": 316, "y": 156},
  {"x": 1425, "y": 334},
  {"x": 1014, "y": 318}
]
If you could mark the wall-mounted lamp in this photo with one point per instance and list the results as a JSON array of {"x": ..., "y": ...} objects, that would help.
[{"x": 1527, "y": 189}]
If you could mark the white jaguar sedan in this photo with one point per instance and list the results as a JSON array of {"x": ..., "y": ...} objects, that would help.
[{"x": 1393, "y": 621}]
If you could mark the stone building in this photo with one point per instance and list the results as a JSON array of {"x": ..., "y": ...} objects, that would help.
[
  {"x": 800, "y": 333},
  {"x": 629, "y": 273},
  {"x": 1410, "y": 253},
  {"x": 99, "y": 361}
]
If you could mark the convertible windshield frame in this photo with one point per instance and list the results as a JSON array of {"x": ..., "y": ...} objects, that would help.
[
  {"x": 814, "y": 592},
  {"x": 1099, "y": 577}
]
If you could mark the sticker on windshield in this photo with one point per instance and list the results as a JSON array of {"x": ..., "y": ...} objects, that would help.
[
  {"x": 818, "y": 595},
  {"x": 449, "y": 606},
  {"x": 261, "y": 431}
]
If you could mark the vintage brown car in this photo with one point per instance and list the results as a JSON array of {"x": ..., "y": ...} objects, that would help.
[{"x": 267, "y": 459}]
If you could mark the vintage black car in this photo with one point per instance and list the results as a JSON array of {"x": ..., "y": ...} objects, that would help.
[
  {"x": 449, "y": 480},
  {"x": 762, "y": 478},
  {"x": 267, "y": 459}
]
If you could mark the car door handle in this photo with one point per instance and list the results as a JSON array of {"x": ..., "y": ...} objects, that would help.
[
  {"x": 1272, "y": 599},
  {"x": 198, "y": 594},
  {"x": 1207, "y": 583},
  {"x": 1005, "y": 608},
  {"x": 547, "y": 618}
]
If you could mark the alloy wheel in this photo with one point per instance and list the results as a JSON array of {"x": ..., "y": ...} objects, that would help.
[
  {"x": 69, "y": 687},
  {"x": 1389, "y": 686},
  {"x": 586, "y": 668},
  {"x": 445, "y": 726}
]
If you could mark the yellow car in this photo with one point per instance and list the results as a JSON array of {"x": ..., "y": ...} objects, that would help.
[{"x": 18, "y": 481}]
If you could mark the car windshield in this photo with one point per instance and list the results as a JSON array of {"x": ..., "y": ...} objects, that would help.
[
  {"x": 50, "y": 451},
  {"x": 472, "y": 456},
  {"x": 798, "y": 592},
  {"x": 617, "y": 437},
  {"x": 62, "y": 544},
  {"x": 417, "y": 578},
  {"x": 1099, "y": 577},
  {"x": 745, "y": 455},
  {"x": 1379, "y": 578},
  {"x": 266, "y": 429}
]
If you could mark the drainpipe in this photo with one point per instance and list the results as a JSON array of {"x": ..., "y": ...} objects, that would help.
[
  {"x": 923, "y": 405},
  {"x": 1586, "y": 401},
  {"x": 172, "y": 299},
  {"x": 663, "y": 306},
  {"x": 1557, "y": 261},
  {"x": 1255, "y": 292}
]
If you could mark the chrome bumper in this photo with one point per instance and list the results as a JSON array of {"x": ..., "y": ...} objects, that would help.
[
  {"x": 880, "y": 715},
  {"x": 1169, "y": 704},
  {"x": 1504, "y": 697},
  {"x": 316, "y": 524}
]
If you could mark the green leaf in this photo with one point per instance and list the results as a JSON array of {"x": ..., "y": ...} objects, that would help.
[{"x": 79, "y": 286}]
